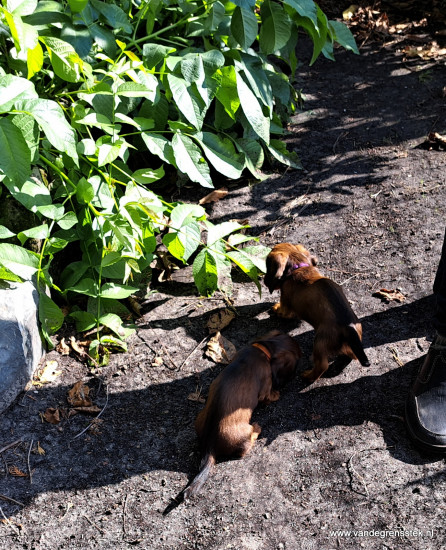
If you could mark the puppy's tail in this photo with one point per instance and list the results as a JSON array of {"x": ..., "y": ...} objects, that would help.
[
  {"x": 356, "y": 345},
  {"x": 197, "y": 483}
]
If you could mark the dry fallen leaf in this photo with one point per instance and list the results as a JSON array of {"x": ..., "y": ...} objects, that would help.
[
  {"x": 40, "y": 451},
  {"x": 218, "y": 321},
  {"x": 157, "y": 362},
  {"x": 48, "y": 373},
  {"x": 14, "y": 471},
  {"x": 94, "y": 409},
  {"x": 390, "y": 295},
  {"x": 196, "y": 396},
  {"x": 220, "y": 349},
  {"x": 63, "y": 348},
  {"x": 135, "y": 305},
  {"x": 78, "y": 395},
  {"x": 214, "y": 196},
  {"x": 52, "y": 415}
]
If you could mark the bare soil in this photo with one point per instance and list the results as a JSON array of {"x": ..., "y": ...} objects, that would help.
[{"x": 370, "y": 203}]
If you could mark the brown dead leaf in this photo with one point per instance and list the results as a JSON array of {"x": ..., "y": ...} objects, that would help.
[
  {"x": 95, "y": 425},
  {"x": 39, "y": 449},
  {"x": 78, "y": 346},
  {"x": 214, "y": 196},
  {"x": 158, "y": 361},
  {"x": 52, "y": 415},
  {"x": 218, "y": 321},
  {"x": 16, "y": 472},
  {"x": 63, "y": 348},
  {"x": 48, "y": 373},
  {"x": 390, "y": 295},
  {"x": 78, "y": 396},
  {"x": 196, "y": 396},
  {"x": 220, "y": 350},
  {"x": 135, "y": 305}
]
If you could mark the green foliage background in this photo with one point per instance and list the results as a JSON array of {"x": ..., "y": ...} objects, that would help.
[{"x": 88, "y": 88}]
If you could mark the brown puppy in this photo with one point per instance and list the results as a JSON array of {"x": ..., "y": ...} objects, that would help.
[
  {"x": 307, "y": 295},
  {"x": 223, "y": 426}
]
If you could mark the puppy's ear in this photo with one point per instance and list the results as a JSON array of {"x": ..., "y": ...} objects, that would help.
[
  {"x": 283, "y": 368},
  {"x": 277, "y": 266}
]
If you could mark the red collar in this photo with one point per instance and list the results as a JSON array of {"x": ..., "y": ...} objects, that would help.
[{"x": 262, "y": 348}]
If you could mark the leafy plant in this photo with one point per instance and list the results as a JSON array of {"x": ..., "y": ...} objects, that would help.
[{"x": 99, "y": 101}]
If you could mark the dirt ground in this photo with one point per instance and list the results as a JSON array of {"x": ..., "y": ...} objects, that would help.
[{"x": 333, "y": 467}]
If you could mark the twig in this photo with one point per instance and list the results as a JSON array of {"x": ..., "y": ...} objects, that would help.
[
  {"x": 124, "y": 511},
  {"x": 94, "y": 525},
  {"x": 192, "y": 352},
  {"x": 4, "y": 497},
  {"x": 341, "y": 135},
  {"x": 94, "y": 419},
  {"x": 352, "y": 471},
  {"x": 6, "y": 447},
  {"x": 13, "y": 527},
  {"x": 29, "y": 467}
]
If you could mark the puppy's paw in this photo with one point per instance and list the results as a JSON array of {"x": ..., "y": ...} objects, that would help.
[
  {"x": 276, "y": 308},
  {"x": 256, "y": 429},
  {"x": 274, "y": 395}
]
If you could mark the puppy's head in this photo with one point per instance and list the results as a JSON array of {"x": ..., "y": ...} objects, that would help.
[
  {"x": 285, "y": 353},
  {"x": 282, "y": 260}
]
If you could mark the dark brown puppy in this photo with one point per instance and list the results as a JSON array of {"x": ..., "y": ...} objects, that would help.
[
  {"x": 307, "y": 295},
  {"x": 223, "y": 426}
]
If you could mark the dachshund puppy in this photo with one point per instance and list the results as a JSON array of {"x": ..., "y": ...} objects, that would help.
[
  {"x": 307, "y": 295},
  {"x": 223, "y": 426}
]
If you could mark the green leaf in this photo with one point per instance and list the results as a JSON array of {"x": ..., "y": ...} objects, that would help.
[
  {"x": 65, "y": 61},
  {"x": 155, "y": 53},
  {"x": 51, "y": 119},
  {"x": 87, "y": 286},
  {"x": 305, "y": 8},
  {"x": 220, "y": 152},
  {"x": 117, "y": 291},
  {"x": 276, "y": 27},
  {"x": 21, "y": 7},
  {"x": 38, "y": 232},
  {"x": 205, "y": 274},
  {"x": 244, "y": 26},
  {"x": 184, "y": 214},
  {"x": 227, "y": 93},
  {"x": 109, "y": 152},
  {"x": 14, "y": 88},
  {"x": 15, "y": 155},
  {"x": 84, "y": 320},
  {"x": 183, "y": 243},
  {"x": 7, "y": 275},
  {"x": 145, "y": 176},
  {"x": 246, "y": 265},
  {"x": 34, "y": 60},
  {"x": 114, "y": 15},
  {"x": 279, "y": 151},
  {"x": 133, "y": 89},
  {"x": 67, "y": 221},
  {"x": 5, "y": 233},
  {"x": 160, "y": 146},
  {"x": 190, "y": 105},
  {"x": 190, "y": 161},
  {"x": 20, "y": 261},
  {"x": 32, "y": 194},
  {"x": 51, "y": 211},
  {"x": 216, "y": 232},
  {"x": 252, "y": 110},
  {"x": 84, "y": 191},
  {"x": 76, "y": 6},
  {"x": 343, "y": 36},
  {"x": 50, "y": 315}
]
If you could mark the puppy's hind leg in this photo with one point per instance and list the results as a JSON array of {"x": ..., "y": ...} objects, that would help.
[
  {"x": 320, "y": 363},
  {"x": 249, "y": 437}
]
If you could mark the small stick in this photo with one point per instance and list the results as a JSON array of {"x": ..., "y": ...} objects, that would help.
[
  {"x": 29, "y": 467},
  {"x": 352, "y": 471},
  {"x": 124, "y": 527},
  {"x": 94, "y": 524},
  {"x": 94, "y": 419},
  {"x": 13, "y": 527},
  {"x": 4, "y": 497},
  {"x": 192, "y": 352},
  {"x": 3, "y": 449}
]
